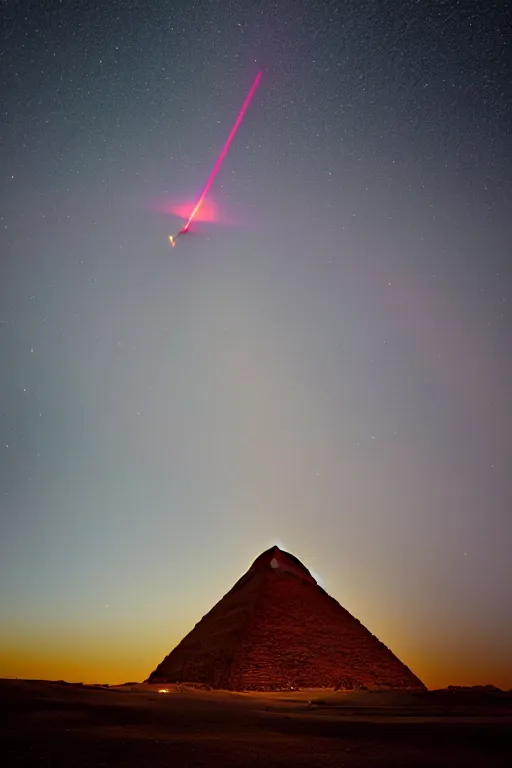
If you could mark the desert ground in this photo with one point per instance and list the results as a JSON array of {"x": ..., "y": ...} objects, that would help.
[{"x": 63, "y": 724}]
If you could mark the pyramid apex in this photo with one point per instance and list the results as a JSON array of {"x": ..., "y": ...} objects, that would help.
[{"x": 279, "y": 560}]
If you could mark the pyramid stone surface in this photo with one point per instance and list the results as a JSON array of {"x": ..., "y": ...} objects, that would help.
[{"x": 276, "y": 629}]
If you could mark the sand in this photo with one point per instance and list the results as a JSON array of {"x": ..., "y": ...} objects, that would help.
[{"x": 61, "y": 724}]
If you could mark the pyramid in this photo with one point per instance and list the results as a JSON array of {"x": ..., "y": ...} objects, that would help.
[{"x": 277, "y": 629}]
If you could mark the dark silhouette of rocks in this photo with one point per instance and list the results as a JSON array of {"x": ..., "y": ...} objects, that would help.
[
  {"x": 475, "y": 688},
  {"x": 277, "y": 629}
]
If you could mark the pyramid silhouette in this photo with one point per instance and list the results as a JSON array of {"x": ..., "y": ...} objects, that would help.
[{"x": 277, "y": 629}]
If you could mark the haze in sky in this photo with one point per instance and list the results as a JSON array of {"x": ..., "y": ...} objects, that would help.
[{"x": 325, "y": 365}]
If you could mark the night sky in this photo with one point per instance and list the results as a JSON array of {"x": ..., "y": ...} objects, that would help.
[{"x": 326, "y": 365}]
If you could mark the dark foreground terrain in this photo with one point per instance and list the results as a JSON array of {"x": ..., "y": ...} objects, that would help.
[{"x": 58, "y": 724}]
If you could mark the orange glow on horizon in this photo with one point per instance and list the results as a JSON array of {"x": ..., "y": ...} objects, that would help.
[
  {"x": 114, "y": 646},
  {"x": 97, "y": 662}
]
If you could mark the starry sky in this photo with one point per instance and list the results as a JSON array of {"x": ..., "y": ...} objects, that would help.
[{"x": 324, "y": 364}]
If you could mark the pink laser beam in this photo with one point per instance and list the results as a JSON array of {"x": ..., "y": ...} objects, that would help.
[{"x": 224, "y": 151}]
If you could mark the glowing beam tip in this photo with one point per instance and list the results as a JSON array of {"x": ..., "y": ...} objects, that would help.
[{"x": 222, "y": 155}]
